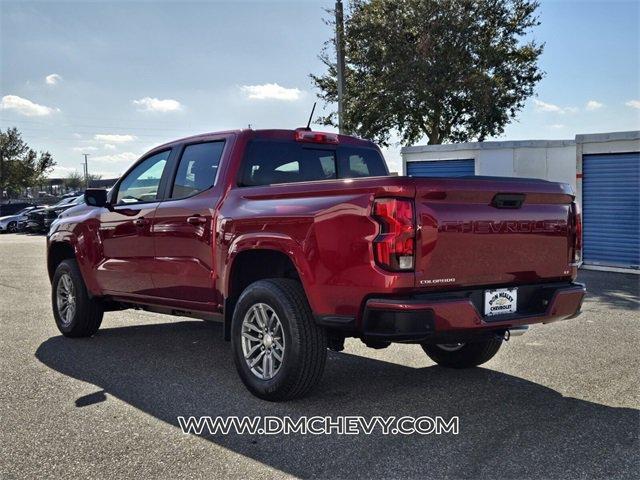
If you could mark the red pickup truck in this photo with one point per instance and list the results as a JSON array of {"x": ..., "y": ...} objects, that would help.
[{"x": 298, "y": 239}]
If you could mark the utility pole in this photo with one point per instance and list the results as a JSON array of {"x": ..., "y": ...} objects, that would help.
[
  {"x": 86, "y": 170},
  {"x": 340, "y": 64},
  {"x": 1, "y": 175}
]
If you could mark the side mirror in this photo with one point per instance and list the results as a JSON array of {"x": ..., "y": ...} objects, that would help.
[{"x": 95, "y": 197}]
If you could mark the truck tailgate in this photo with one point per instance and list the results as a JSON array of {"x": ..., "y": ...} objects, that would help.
[{"x": 490, "y": 231}]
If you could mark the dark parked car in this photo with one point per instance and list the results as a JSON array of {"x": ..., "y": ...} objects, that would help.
[
  {"x": 12, "y": 208},
  {"x": 40, "y": 219}
]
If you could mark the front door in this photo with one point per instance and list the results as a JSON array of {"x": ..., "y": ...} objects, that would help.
[
  {"x": 183, "y": 229},
  {"x": 125, "y": 229}
]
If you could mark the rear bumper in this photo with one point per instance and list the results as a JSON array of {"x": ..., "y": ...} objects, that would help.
[{"x": 456, "y": 315}]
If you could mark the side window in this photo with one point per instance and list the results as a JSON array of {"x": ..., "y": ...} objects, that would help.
[
  {"x": 357, "y": 166},
  {"x": 197, "y": 169},
  {"x": 328, "y": 164},
  {"x": 141, "y": 184},
  {"x": 361, "y": 163}
]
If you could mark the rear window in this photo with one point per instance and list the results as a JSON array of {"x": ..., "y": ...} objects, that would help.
[{"x": 269, "y": 162}]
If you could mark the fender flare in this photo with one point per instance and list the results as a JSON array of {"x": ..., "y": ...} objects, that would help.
[
  {"x": 264, "y": 241},
  {"x": 73, "y": 238}
]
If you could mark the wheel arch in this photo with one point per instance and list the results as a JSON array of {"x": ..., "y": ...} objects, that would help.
[
  {"x": 250, "y": 261},
  {"x": 58, "y": 252}
]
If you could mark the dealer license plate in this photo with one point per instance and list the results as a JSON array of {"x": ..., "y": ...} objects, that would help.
[{"x": 500, "y": 301}]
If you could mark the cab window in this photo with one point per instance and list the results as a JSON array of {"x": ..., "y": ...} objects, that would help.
[
  {"x": 141, "y": 184},
  {"x": 197, "y": 169}
]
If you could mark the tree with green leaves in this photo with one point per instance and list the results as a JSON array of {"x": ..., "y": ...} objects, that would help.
[
  {"x": 448, "y": 70},
  {"x": 20, "y": 166},
  {"x": 74, "y": 181}
]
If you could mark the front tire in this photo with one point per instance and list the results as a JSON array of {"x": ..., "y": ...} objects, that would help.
[
  {"x": 75, "y": 312},
  {"x": 463, "y": 355},
  {"x": 12, "y": 227},
  {"x": 278, "y": 349}
]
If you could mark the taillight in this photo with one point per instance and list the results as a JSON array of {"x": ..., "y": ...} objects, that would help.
[
  {"x": 303, "y": 135},
  {"x": 577, "y": 233},
  {"x": 394, "y": 247}
]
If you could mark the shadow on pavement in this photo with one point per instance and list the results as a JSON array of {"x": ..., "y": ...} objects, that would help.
[
  {"x": 615, "y": 290},
  {"x": 509, "y": 427}
]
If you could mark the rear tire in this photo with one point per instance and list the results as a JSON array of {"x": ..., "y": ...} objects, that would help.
[
  {"x": 464, "y": 355},
  {"x": 273, "y": 320},
  {"x": 75, "y": 312}
]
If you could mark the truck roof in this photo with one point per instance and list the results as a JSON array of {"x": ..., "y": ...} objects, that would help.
[{"x": 280, "y": 134}]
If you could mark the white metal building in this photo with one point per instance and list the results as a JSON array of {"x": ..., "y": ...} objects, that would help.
[{"x": 604, "y": 170}]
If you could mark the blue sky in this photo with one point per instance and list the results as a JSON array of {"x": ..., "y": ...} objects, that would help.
[{"x": 114, "y": 79}]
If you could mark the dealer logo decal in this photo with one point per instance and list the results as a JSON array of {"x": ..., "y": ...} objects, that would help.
[{"x": 501, "y": 301}]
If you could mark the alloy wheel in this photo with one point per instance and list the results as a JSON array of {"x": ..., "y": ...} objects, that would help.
[
  {"x": 263, "y": 342},
  {"x": 66, "y": 299}
]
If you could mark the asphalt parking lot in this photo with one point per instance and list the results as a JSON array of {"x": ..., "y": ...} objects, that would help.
[{"x": 559, "y": 402}]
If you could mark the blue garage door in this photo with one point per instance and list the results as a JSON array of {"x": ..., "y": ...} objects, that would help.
[
  {"x": 611, "y": 209},
  {"x": 441, "y": 168}
]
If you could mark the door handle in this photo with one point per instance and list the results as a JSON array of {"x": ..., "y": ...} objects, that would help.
[
  {"x": 197, "y": 220},
  {"x": 140, "y": 222}
]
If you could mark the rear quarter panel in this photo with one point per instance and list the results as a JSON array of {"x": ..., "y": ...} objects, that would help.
[{"x": 325, "y": 228}]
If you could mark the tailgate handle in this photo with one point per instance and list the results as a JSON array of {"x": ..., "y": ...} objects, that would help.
[{"x": 508, "y": 200}]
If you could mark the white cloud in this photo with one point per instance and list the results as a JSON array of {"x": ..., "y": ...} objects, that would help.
[
  {"x": 546, "y": 107},
  {"x": 271, "y": 91},
  {"x": 25, "y": 107},
  {"x": 53, "y": 79},
  {"x": 116, "y": 157},
  {"x": 109, "y": 146},
  {"x": 148, "y": 104},
  {"x": 114, "y": 138},
  {"x": 633, "y": 103},
  {"x": 557, "y": 126},
  {"x": 88, "y": 148},
  {"x": 550, "y": 107},
  {"x": 594, "y": 105},
  {"x": 77, "y": 135}
]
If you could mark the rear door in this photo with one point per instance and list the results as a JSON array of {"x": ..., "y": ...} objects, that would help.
[
  {"x": 183, "y": 227},
  {"x": 125, "y": 230}
]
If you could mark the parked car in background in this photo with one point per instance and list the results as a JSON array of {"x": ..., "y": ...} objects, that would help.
[
  {"x": 40, "y": 219},
  {"x": 13, "y": 208},
  {"x": 14, "y": 223},
  {"x": 72, "y": 194},
  {"x": 298, "y": 239}
]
